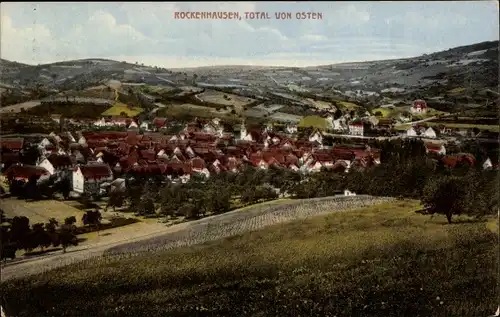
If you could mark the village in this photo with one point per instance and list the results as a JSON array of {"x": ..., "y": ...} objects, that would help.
[{"x": 90, "y": 160}]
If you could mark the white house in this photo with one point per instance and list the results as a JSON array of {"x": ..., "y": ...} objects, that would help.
[
  {"x": 55, "y": 163},
  {"x": 133, "y": 125},
  {"x": 487, "y": 164},
  {"x": 316, "y": 136},
  {"x": 356, "y": 128},
  {"x": 145, "y": 125},
  {"x": 88, "y": 178},
  {"x": 44, "y": 143},
  {"x": 291, "y": 128},
  {"x": 349, "y": 193},
  {"x": 411, "y": 132},
  {"x": 82, "y": 140},
  {"x": 430, "y": 133},
  {"x": 244, "y": 135}
]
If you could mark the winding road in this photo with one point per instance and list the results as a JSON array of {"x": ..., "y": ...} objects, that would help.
[{"x": 194, "y": 232}]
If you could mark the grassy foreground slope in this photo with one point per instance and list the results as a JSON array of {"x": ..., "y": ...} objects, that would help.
[{"x": 384, "y": 260}]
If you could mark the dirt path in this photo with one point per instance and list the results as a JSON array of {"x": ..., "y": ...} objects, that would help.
[{"x": 189, "y": 233}]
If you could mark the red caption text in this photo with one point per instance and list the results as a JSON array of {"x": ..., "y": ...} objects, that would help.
[{"x": 223, "y": 15}]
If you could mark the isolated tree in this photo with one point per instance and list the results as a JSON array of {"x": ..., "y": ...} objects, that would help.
[{"x": 445, "y": 195}]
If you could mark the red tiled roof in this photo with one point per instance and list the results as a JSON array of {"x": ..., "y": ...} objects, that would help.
[
  {"x": 59, "y": 160},
  {"x": 24, "y": 171},
  {"x": 356, "y": 124},
  {"x": 13, "y": 144},
  {"x": 148, "y": 155},
  {"x": 197, "y": 163},
  {"x": 322, "y": 157},
  {"x": 419, "y": 104},
  {"x": 200, "y": 136},
  {"x": 96, "y": 171}
]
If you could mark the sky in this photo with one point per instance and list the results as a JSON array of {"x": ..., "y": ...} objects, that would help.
[{"x": 149, "y": 33}]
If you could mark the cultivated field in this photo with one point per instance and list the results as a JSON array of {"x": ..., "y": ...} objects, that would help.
[
  {"x": 119, "y": 107},
  {"x": 40, "y": 211},
  {"x": 318, "y": 104},
  {"x": 381, "y": 260},
  {"x": 217, "y": 97},
  {"x": 348, "y": 105},
  {"x": 314, "y": 122}
]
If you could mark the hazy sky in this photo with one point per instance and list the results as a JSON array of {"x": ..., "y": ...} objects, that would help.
[{"x": 148, "y": 32}]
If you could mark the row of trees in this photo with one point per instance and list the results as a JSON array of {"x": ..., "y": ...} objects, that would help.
[
  {"x": 18, "y": 234},
  {"x": 200, "y": 196}
]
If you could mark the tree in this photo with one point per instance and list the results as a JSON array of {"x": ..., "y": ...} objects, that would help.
[
  {"x": 20, "y": 232},
  {"x": 67, "y": 238},
  {"x": 92, "y": 218},
  {"x": 218, "y": 199},
  {"x": 378, "y": 114},
  {"x": 40, "y": 238},
  {"x": 70, "y": 221},
  {"x": 146, "y": 206},
  {"x": 189, "y": 211},
  {"x": 51, "y": 229},
  {"x": 445, "y": 195},
  {"x": 116, "y": 199}
]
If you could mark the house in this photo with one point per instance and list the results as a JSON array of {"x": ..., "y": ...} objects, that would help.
[
  {"x": 23, "y": 173},
  {"x": 411, "y": 132},
  {"x": 356, "y": 127},
  {"x": 133, "y": 125},
  {"x": 316, "y": 136},
  {"x": 435, "y": 148},
  {"x": 419, "y": 106},
  {"x": 88, "y": 178},
  {"x": 349, "y": 193},
  {"x": 159, "y": 123},
  {"x": 487, "y": 164},
  {"x": 12, "y": 144},
  {"x": 429, "y": 133},
  {"x": 100, "y": 123},
  {"x": 145, "y": 125},
  {"x": 56, "y": 163},
  {"x": 340, "y": 124},
  {"x": 213, "y": 127},
  {"x": 44, "y": 143},
  {"x": 291, "y": 128}
]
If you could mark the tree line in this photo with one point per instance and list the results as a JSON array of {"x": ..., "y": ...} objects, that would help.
[{"x": 18, "y": 234}]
